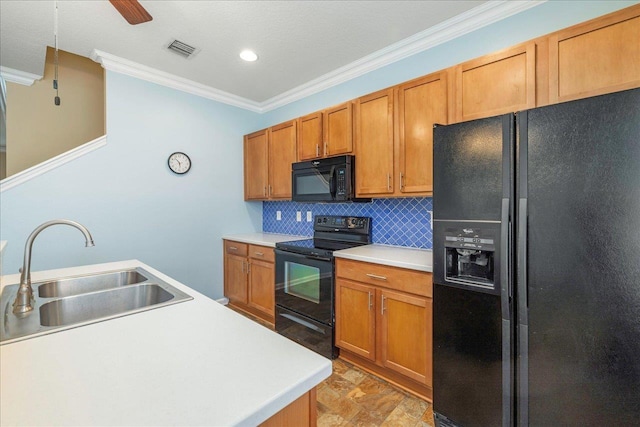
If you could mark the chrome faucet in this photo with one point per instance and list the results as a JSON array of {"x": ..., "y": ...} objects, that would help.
[{"x": 24, "y": 298}]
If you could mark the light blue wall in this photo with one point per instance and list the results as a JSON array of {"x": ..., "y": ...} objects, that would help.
[
  {"x": 540, "y": 20},
  {"x": 130, "y": 201}
]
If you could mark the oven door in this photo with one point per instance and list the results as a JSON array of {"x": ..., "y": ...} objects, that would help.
[
  {"x": 304, "y": 284},
  {"x": 307, "y": 332}
]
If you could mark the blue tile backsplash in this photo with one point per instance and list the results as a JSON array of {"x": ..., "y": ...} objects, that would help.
[{"x": 398, "y": 222}]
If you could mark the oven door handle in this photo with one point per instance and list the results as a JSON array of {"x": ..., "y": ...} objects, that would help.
[
  {"x": 303, "y": 323},
  {"x": 283, "y": 252}
]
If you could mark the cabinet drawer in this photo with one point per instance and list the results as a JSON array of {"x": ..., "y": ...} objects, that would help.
[
  {"x": 235, "y": 248},
  {"x": 263, "y": 253},
  {"x": 415, "y": 282}
]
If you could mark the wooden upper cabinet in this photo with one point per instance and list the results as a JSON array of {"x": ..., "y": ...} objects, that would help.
[
  {"x": 268, "y": 155},
  {"x": 374, "y": 144},
  {"x": 282, "y": 153},
  {"x": 494, "y": 84},
  {"x": 310, "y": 137},
  {"x": 326, "y": 133},
  {"x": 256, "y": 154},
  {"x": 421, "y": 104},
  {"x": 596, "y": 57},
  {"x": 338, "y": 129}
]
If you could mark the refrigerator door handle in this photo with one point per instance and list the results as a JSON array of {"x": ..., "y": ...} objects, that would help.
[
  {"x": 523, "y": 322},
  {"x": 505, "y": 302},
  {"x": 505, "y": 251}
]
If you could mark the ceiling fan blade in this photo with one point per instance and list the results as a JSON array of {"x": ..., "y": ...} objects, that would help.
[{"x": 132, "y": 11}]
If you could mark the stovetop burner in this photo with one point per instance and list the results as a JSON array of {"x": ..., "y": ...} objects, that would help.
[{"x": 332, "y": 233}]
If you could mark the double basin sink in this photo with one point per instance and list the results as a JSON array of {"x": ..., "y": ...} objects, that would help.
[{"x": 70, "y": 302}]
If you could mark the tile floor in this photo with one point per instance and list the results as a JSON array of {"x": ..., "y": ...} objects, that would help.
[{"x": 352, "y": 397}]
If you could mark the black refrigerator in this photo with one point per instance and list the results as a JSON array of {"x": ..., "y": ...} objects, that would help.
[{"x": 536, "y": 318}]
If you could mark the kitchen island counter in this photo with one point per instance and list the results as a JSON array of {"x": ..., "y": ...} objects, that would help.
[{"x": 191, "y": 363}]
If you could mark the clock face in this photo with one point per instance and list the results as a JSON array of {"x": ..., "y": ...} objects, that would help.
[{"x": 179, "y": 163}]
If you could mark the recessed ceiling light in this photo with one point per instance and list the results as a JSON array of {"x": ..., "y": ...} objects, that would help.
[{"x": 248, "y": 55}]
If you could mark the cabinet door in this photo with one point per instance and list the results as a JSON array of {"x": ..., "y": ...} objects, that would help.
[
  {"x": 262, "y": 286},
  {"x": 235, "y": 278},
  {"x": 282, "y": 153},
  {"x": 499, "y": 83},
  {"x": 355, "y": 318},
  {"x": 596, "y": 57},
  {"x": 338, "y": 130},
  {"x": 421, "y": 104},
  {"x": 310, "y": 137},
  {"x": 255, "y": 165},
  {"x": 406, "y": 334},
  {"x": 374, "y": 144}
]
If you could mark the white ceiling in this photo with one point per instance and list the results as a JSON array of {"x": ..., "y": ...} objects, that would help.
[{"x": 297, "y": 41}]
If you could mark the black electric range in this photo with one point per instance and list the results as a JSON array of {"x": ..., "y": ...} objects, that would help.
[{"x": 305, "y": 280}]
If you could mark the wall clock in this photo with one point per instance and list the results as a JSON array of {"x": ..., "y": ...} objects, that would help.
[{"x": 179, "y": 163}]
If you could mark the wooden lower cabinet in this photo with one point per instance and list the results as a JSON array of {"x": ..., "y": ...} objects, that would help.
[
  {"x": 261, "y": 292},
  {"x": 300, "y": 413},
  {"x": 356, "y": 318},
  {"x": 249, "y": 278},
  {"x": 384, "y": 323},
  {"x": 406, "y": 334}
]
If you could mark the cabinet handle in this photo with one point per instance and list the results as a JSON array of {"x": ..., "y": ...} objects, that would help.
[
  {"x": 375, "y": 276},
  {"x": 265, "y": 191},
  {"x": 370, "y": 300},
  {"x": 389, "y": 181},
  {"x": 326, "y": 148},
  {"x": 270, "y": 190},
  {"x": 382, "y": 309},
  {"x": 317, "y": 150},
  {"x": 248, "y": 267},
  {"x": 242, "y": 267},
  {"x": 233, "y": 248},
  {"x": 259, "y": 253},
  {"x": 401, "y": 183}
]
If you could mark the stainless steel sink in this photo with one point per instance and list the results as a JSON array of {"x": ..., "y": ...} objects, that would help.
[
  {"x": 71, "y": 302},
  {"x": 89, "y": 283},
  {"x": 67, "y": 311}
]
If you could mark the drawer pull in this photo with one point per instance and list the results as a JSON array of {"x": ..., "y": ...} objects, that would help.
[
  {"x": 233, "y": 248},
  {"x": 259, "y": 253},
  {"x": 375, "y": 276}
]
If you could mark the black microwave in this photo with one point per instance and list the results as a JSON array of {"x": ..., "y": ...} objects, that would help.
[{"x": 325, "y": 180}]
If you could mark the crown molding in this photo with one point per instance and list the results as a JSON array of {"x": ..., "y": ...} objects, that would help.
[
  {"x": 474, "y": 19},
  {"x": 52, "y": 163},
  {"x": 134, "y": 69},
  {"x": 17, "y": 76}
]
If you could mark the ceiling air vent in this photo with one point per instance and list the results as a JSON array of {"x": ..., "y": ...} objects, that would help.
[{"x": 182, "y": 48}]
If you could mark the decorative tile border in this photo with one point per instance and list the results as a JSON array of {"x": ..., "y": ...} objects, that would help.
[{"x": 398, "y": 222}]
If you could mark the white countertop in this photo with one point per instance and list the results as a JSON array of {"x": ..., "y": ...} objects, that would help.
[
  {"x": 264, "y": 239},
  {"x": 397, "y": 256},
  {"x": 192, "y": 363}
]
